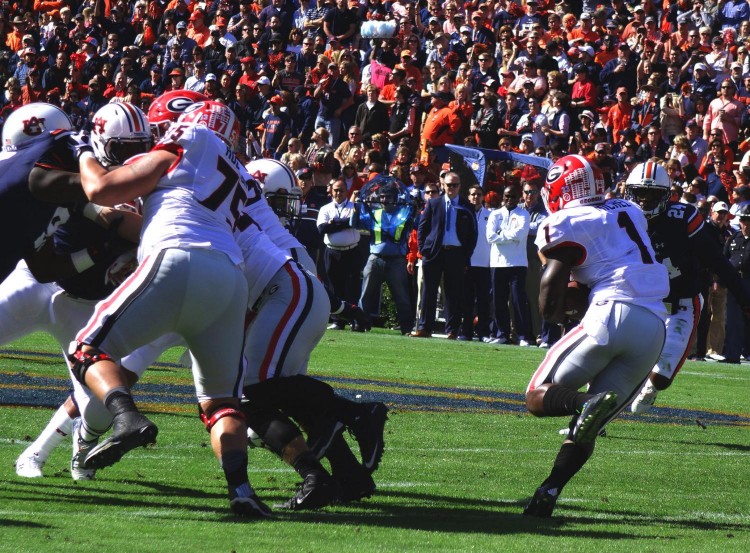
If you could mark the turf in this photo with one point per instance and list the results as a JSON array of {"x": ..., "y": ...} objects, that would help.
[{"x": 462, "y": 458}]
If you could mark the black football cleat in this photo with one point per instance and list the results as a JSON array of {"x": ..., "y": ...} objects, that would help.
[
  {"x": 595, "y": 414},
  {"x": 355, "y": 485},
  {"x": 368, "y": 429},
  {"x": 316, "y": 491},
  {"x": 542, "y": 503},
  {"x": 129, "y": 430}
]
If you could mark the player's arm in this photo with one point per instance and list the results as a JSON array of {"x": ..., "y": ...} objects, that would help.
[
  {"x": 56, "y": 186},
  {"x": 125, "y": 183},
  {"x": 554, "y": 282}
]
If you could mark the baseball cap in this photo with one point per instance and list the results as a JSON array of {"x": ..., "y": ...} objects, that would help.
[
  {"x": 585, "y": 15},
  {"x": 465, "y": 29},
  {"x": 405, "y": 53},
  {"x": 691, "y": 123},
  {"x": 197, "y": 14},
  {"x": 720, "y": 206},
  {"x": 588, "y": 114},
  {"x": 220, "y": 21},
  {"x": 586, "y": 49},
  {"x": 181, "y": 25},
  {"x": 177, "y": 72},
  {"x": 700, "y": 66},
  {"x": 526, "y": 137},
  {"x": 247, "y": 59},
  {"x": 650, "y": 19},
  {"x": 276, "y": 100},
  {"x": 155, "y": 68},
  {"x": 304, "y": 173},
  {"x": 736, "y": 65},
  {"x": 29, "y": 50},
  {"x": 601, "y": 147},
  {"x": 91, "y": 40},
  {"x": 611, "y": 23},
  {"x": 263, "y": 80},
  {"x": 445, "y": 96},
  {"x": 639, "y": 9},
  {"x": 211, "y": 77}
]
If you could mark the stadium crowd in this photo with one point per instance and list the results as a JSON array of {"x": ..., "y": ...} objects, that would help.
[{"x": 342, "y": 91}]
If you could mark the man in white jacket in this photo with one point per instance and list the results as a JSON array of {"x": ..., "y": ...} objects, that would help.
[{"x": 507, "y": 229}]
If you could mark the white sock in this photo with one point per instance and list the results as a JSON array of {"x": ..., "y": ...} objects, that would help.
[{"x": 57, "y": 429}]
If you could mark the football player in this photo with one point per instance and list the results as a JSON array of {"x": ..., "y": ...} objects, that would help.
[
  {"x": 86, "y": 258},
  {"x": 602, "y": 244},
  {"x": 188, "y": 281},
  {"x": 684, "y": 245}
]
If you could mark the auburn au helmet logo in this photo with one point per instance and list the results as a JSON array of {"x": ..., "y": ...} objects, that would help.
[{"x": 33, "y": 126}]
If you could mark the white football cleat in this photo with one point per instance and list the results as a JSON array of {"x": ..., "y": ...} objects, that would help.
[
  {"x": 645, "y": 399},
  {"x": 523, "y": 343},
  {"x": 29, "y": 465}
]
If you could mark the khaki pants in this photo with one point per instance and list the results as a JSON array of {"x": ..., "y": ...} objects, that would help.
[{"x": 717, "y": 305}]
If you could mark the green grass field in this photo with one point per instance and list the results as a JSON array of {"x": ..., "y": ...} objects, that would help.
[{"x": 462, "y": 458}]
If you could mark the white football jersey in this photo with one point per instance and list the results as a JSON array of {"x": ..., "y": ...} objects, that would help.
[
  {"x": 262, "y": 258},
  {"x": 197, "y": 201},
  {"x": 618, "y": 262}
]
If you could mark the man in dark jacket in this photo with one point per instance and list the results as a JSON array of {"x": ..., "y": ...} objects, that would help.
[{"x": 447, "y": 235}]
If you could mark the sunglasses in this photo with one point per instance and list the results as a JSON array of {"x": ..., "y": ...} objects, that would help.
[
  {"x": 452, "y": 184},
  {"x": 530, "y": 192}
]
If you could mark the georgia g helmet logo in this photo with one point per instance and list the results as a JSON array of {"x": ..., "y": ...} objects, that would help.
[
  {"x": 179, "y": 104},
  {"x": 554, "y": 173},
  {"x": 33, "y": 126}
]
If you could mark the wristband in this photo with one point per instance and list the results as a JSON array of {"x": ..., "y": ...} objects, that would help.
[
  {"x": 91, "y": 211},
  {"x": 81, "y": 260}
]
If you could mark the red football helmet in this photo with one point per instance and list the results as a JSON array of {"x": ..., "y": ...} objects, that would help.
[
  {"x": 168, "y": 107},
  {"x": 217, "y": 117},
  {"x": 573, "y": 181}
]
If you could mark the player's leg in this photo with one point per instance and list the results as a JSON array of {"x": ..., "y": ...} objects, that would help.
[
  {"x": 615, "y": 371},
  {"x": 29, "y": 464},
  {"x": 283, "y": 437},
  {"x": 210, "y": 319},
  {"x": 146, "y": 306},
  {"x": 681, "y": 328}
]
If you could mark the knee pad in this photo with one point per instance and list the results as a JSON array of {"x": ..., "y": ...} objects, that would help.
[
  {"x": 80, "y": 361},
  {"x": 274, "y": 427},
  {"x": 218, "y": 414}
]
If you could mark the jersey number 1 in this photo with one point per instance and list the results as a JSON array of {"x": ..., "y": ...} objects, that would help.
[{"x": 624, "y": 221}]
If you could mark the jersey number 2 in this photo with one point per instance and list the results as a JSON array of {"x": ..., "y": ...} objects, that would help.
[{"x": 624, "y": 221}]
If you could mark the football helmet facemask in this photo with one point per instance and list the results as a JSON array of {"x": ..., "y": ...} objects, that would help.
[
  {"x": 649, "y": 186},
  {"x": 573, "y": 181},
  {"x": 119, "y": 131},
  {"x": 279, "y": 186},
  {"x": 31, "y": 121}
]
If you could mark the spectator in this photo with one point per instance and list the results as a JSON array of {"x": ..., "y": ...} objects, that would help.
[
  {"x": 737, "y": 250},
  {"x": 446, "y": 235},
  {"x": 320, "y": 158},
  {"x": 352, "y": 150},
  {"x": 653, "y": 146},
  {"x": 725, "y": 113},
  {"x": 440, "y": 124},
  {"x": 334, "y": 96},
  {"x": 477, "y": 280},
  {"x": 372, "y": 116},
  {"x": 507, "y": 231},
  {"x": 341, "y": 255}
]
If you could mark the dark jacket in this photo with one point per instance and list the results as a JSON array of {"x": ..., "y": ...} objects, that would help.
[{"x": 432, "y": 228}]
